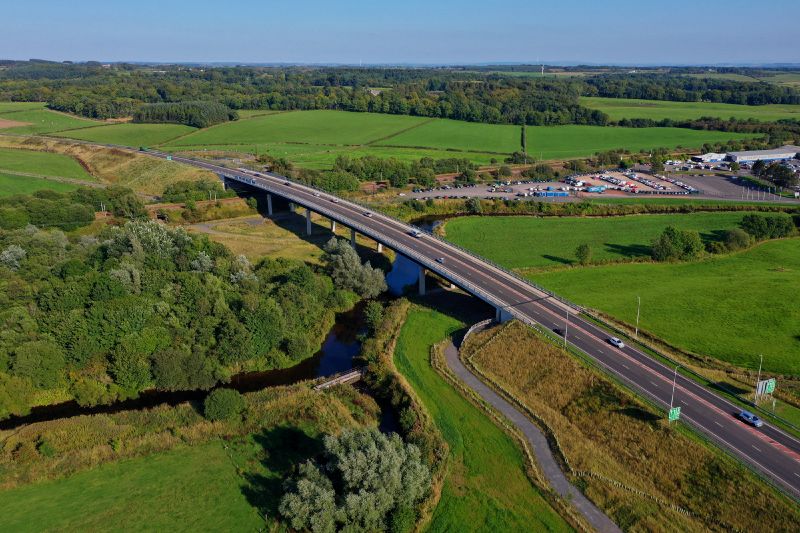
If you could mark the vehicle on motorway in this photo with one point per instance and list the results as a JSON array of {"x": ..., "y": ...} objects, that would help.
[
  {"x": 368, "y": 214},
  {"x": 335, "y": 200},
  {"x": 286, "y": 183},
  {"x": 558, "y": 331},
  {"x": 416, "y": 233},
  {"x": 750, "y": 418},
  {"x": 440, "y": 260},
  {"x": 616, "y": 342},
  {"x": 317, "y": 194}
]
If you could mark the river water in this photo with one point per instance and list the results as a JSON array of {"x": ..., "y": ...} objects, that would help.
[{"x": 336, "y": 355}]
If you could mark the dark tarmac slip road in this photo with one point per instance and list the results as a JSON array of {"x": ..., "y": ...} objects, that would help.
[{"x": 769, "y": 450}]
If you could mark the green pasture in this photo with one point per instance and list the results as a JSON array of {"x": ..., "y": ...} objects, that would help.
[
  {"x": 619, "y": 108},
  {"x": 129, "y": 134},
  {"x": 43, "y": 121},
  {"x": 42, "y": 163},
  {"x": 11, "y": 184}
]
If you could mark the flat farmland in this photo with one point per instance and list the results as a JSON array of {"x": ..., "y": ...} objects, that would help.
[
  {"x": 6, "y": 107},
  {"x": 551, "y": 142},
  {"x": 313, "y": 127},
  {"x": 620, "y": 108},
  {"x": 538, "y": 243},
  {"x": 731, "y": 307},
  {"x": 129, "y": 134},
  {"x": 43, "y": 163},
  {"x": 11, "y": 184}
]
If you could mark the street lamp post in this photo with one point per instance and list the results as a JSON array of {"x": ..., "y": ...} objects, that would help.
[
  {"x": 674, "y": 379},
  {"x": 638, "y": 308},
  {"x": 760, "y": 362},
  {"x": 566, "y": 329}
]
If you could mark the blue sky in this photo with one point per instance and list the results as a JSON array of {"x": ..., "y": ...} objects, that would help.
[{"x": 411, "y": 31}]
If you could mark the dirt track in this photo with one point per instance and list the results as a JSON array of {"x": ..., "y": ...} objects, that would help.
[{"x": 5, "y": 123}]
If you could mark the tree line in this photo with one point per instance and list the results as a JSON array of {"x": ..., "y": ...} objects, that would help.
[
  {"x": 107, "y": 315},
  {"x": 196, "y": 114}
]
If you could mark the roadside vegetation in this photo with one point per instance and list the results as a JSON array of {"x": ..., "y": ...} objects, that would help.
[
  {"x": 485, "y": 485},
  {"x": 621, "y": 451}
]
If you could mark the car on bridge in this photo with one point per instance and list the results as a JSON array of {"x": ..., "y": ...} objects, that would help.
[
  {"x": 440, "y": 260},
  {"x": 415, "y": 233},
  {"x": 367, "y": 214}
]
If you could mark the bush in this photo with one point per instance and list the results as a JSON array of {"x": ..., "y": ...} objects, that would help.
[
  {"x": 674, "y": 244},
  {"x": 737, "y": 239},
  {"x": 767, "y": 227},
  {"x": 584, "y": 254},
  {"x": 223, "y": 404}
]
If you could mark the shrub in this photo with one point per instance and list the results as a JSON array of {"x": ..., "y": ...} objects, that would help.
[
  {"x": 584, "y": 254},
  {"x": 737, "y": 239},
  {"x": 223, "y": 404}
]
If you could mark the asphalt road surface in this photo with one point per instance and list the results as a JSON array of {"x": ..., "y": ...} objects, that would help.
[{"x": 768, "y": 449}]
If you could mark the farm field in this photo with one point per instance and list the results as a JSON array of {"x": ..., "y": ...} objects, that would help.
[
  {"x": 521, "y": 242},
  {"x": 619, "y": 108},
  {"x": 188, "y": 488},
  {"x": 39, "y": 119},
  {"x": 313, "y": 127},
  {"x": 550, "y": 142},
  {"x": 486, "y": 487},
  {"x": 11, "y": 184},
  {"x": 42, "y": 163},
  {"x": 129, "y": 134},
  {"x": 731, "y": 307}
]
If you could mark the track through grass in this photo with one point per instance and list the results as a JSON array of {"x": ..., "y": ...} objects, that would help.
[{"x": 486, "y": 488}]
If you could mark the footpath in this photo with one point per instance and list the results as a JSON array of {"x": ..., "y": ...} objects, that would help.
[{"x": 552, "y": 472}]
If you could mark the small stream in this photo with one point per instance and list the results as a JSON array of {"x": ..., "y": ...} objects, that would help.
[{"x": 335, "y": 355}]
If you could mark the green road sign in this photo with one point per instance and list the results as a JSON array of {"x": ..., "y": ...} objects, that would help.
[
  {"x": 169, "y": 158},
  {"x": 770, "y": 388},
  {"x": 674, "y": 414}
]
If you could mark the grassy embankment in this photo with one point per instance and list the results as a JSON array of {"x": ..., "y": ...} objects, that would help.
[
  {"x": 168, "y": 468},
  {"x": 620, "y": 108},
  {"x": 695, "y": 306},
  {"x": 139, "y": 172},
  {"x": 486, "y": 487},
  {"x": 602, "y": 430}
]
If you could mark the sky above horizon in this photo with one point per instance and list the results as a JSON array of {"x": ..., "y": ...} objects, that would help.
[{"x": 413, "y": 31}]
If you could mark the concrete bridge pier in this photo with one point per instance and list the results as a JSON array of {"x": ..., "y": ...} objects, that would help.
[
  {"x": 308, "y": 221},
  {"x": 269, "y": 205},
  {"x": 502, "y": 315},
  {"x": 421, "y": 280},
  {"x": 380, "y": 248},
  {"x": 291, "y": 207},
  {"x": 333, "y": 226},
  {"x": 353, "y": 237}
]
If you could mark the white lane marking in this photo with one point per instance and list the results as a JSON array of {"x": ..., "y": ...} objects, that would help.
[
  {"x": 654, "y": 384},
  {"x": 796, "y": 474},
  {"x": 599, "y": 351},
  {"x": 684, "y": 403},
  {"x": 717, "y": 423},
  {"x": 756, "y": 449}
]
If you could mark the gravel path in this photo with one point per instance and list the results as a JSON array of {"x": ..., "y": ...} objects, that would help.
[{"x": 538, "y": 442}]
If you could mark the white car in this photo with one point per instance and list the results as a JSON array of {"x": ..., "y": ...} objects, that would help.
[
  {"x": 317, "y": 194},
  {"x": 616, "y": 342},
  {"x": 416, "y": 234},
  {"x": 368, "y": 215}
]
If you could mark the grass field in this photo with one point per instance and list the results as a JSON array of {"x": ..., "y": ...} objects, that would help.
[
  {"x": 40, "y": 120},
  {"x": 486, "y": 488},
  {"x": 11, "y": 184},
  {"x": 43, "y": 163},
  {"x": 619, "y": 108},
  {"x": 732, "y": 307},
  {"x": 553, "y": 142},
  {"x": 129, "y": 134},
  {"x": 6, "y": 107},
  {"x": 532, "y": 242},
  {"x": 187, "y": 489},
  {"x": 601, "y": 429},
  {"x": 312, "y": 127}
]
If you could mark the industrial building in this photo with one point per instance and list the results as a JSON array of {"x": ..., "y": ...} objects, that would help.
[
  {"x": 709, "y": 158},
  {"x": 776, "y": 154}
]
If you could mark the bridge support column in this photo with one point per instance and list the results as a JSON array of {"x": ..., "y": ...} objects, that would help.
[
  {"x": 421, "y": 280},
  {"x": 380, "y": 248},
  {"x": 502, "y": 315},
  {"x": 353, "y": 237},
  {"x": 333, "y": 226},
  {"x": 308, "y": 221},
  {"x": 269, "y": 205},
  {"x": 291, "y": 207}
]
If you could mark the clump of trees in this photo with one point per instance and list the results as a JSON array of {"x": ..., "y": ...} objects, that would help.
[
  {"x": 182, "y": 191},
  {"x": 363, "y": 481},
  {"x": 196, "y": 114},
  {"x": 223, "y": 404},
  {"x": 143, "y": 306},
  {"x": 767, "y": 227},
  {"x": 347, "y": 271},
  {"x": 675, "y": 244}
]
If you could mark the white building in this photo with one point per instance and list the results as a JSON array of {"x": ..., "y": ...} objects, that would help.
[
  {"x": 776, "y": 154},
  {"x": 708, "y": 158}
]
